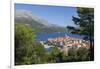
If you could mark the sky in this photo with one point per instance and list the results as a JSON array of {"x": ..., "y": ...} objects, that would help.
[{"x": 59, "y": 15}]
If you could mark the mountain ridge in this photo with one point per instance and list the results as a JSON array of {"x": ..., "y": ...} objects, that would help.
[{"x": 26, "y": 17}]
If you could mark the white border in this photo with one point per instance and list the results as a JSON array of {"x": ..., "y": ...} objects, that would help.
[
  {"x": 44, "y": 66},
  {"x": 12, "y": 35},
  {"x": 73, "y": 3}
]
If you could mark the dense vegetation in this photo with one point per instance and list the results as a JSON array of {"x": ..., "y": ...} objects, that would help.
[{"x": 27, "y": 51}]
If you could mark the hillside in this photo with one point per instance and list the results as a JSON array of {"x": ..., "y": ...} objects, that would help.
[{"x": 27, "y": 18}]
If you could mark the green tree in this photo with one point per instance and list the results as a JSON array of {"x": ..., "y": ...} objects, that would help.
[
  {"x": 53, "y": 54},
  {"x": 39, "y": 55},
  {"x": 85, "y": 23},
  {"x": 85, "y": 20},
  {"x": 27, "y": 50},
  {"x": 70, "y": 29},
  {"x": 23, "y": 44},
  {"x": 72, "y": 55},
  {"x": 83, "y": 54}
]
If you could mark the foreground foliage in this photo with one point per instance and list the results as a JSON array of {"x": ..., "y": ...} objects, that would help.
[{"x": 27, "y": 51}]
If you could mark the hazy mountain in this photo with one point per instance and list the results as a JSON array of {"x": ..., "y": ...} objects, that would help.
[{"x": 26, "y": 17}]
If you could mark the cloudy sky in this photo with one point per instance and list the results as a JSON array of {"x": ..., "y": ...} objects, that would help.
[{"x": 59, "y": 15}]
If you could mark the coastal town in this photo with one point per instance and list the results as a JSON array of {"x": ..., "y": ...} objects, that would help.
[{"x": 63, "y": 41}]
